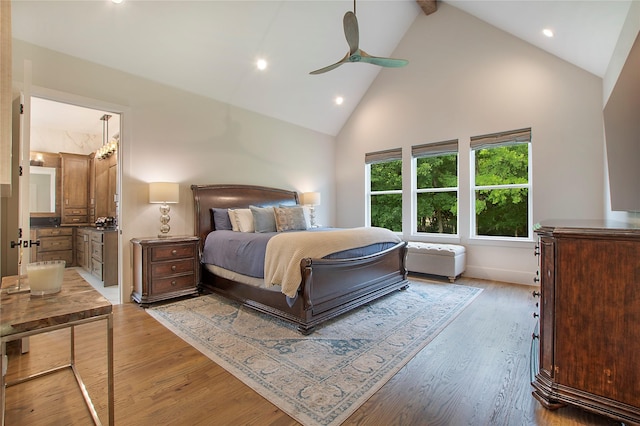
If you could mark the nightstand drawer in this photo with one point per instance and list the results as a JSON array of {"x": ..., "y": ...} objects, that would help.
[
  {"x": 167, "y": 285},
  {"x": 175, "y": 251},
  {"x": 164, "y": 269}
]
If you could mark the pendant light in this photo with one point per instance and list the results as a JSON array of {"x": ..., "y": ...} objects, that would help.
[{"x": 108, "y": 147}]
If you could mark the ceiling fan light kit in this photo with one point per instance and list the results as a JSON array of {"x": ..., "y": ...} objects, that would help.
[{"x": 355, "y": 54}]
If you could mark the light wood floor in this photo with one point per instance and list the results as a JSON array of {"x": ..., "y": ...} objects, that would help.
[{"x": 476, "y": 372}]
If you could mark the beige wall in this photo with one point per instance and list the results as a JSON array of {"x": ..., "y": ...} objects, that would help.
[
  {"x": 173, "y": 135},
  {"x": 467, "y": 78}
]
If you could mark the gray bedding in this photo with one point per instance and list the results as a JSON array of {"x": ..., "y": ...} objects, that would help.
[{"x": 244, "y": 252}]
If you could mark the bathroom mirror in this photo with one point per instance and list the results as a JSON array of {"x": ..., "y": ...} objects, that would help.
[{"x": 42, "y": 190}]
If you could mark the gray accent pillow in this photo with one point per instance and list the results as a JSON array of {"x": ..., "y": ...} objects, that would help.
[
  {"x": 290, "y": 219},
  {"x": 264, "y": 219},
  {"x": 221, "y": 221}
]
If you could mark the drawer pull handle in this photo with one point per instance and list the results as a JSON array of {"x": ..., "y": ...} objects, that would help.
[
  {"x": 174, "y": 252},
  {"x": 173, "y": 283},
  {"x": 173, "y": 268}
]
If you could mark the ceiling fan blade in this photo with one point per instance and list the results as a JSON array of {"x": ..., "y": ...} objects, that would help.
[
  {"x": 330, "y": 67},
  {"x": 383, "y": 62},
  {"x": 351, "y": 32}
]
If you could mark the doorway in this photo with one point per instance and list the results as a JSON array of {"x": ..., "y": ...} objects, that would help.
[{"x": 78, "y": 148}]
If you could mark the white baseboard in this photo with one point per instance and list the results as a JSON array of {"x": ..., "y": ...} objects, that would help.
[{"x": 504, "y": 275}]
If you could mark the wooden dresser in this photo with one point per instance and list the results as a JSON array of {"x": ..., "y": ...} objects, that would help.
[
  {"x": 164, "y": 268},
  {"x": 589, "y": 327}
]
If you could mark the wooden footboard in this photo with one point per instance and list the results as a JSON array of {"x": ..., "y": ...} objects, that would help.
[{"x": 329, "y": 287}]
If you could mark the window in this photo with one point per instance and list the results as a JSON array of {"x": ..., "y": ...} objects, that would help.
[
  {"x": 384, "y": 189},
  {"x": 435, "y": 168},
  {"x": 501, "y": 184}
]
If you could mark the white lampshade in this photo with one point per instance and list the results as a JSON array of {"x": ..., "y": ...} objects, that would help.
[
  {"x": 164, "y": 192},
  {"x": 311, "y": 198}
]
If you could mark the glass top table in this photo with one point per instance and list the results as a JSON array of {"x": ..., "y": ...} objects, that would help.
[{"x": 23, "y": 315}]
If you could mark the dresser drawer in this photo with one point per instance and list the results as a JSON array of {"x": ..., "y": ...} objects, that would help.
[
  {"x": 77, "y": 219},
  {"x": 97, "y": 237},
  {"x": 167, "y": 285},
  {"x": 55, "y": 243},
  {"x": 53, "y": 232},
  {"x": 96, "y": 251},
  {"x": 76, "y": 211},
  {"x": 66, "y": 255},
  {"x": 172, "y": 252},
  {"x": 96, "y": 268},
  {"x": 165, "y": 269}
]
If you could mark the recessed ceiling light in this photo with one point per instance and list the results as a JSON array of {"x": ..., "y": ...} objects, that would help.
[
  {"x": 117, "y": 1},
  {"x": 548, "y": 32},
  {"x": 261, "y": 64},
  {"x": 339, "y": 100}
]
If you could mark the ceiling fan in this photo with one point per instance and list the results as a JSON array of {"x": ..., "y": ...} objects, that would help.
[{"x": 355, "y": 54}]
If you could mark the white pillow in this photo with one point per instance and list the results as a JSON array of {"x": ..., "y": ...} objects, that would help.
[
  {"x": 241, "y": 220},
  {"x": 232, "y": 219}
]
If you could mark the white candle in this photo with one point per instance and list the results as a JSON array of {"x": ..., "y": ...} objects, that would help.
[{"x": 45, "y": 277}]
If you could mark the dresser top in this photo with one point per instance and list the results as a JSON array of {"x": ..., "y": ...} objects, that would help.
[
  {"x": 165, "y": 240},
  {"x": 588, "y": 226}
]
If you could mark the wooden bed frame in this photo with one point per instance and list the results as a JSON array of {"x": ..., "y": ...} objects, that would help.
[{"x": 329, "y": 287}]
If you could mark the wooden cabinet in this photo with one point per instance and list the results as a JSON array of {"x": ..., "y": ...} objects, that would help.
[
  {"x": 97, "y": 253},
  {"x": 103, "y": 246},
  {"x": 75, "y": 188},
  {"x": 82, "y": 248},
  {"x": 164, "y": 268},
  {"x": 55, "y": 244},
  {"x": 589, "y": 329}
]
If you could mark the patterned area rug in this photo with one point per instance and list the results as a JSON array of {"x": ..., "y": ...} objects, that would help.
[{"x": 320, "y": 379}]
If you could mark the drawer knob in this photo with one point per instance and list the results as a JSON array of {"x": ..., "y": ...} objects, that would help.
[
  {"x": 536, "y": 293},
  {"x": 173, "y": 283},
  {"x": 173, "y": 268},
  {"x": 174, "y": 252},
  {"x": 536, "y": 315}
]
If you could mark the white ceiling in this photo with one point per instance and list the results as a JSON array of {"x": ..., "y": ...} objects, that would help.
[{"x": 210, "y": 47}]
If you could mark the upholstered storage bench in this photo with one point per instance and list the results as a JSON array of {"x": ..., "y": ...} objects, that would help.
[{"x": 447, "y": 260}]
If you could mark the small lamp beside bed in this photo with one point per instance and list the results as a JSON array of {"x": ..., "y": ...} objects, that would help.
[
  {"x": 311, "y": 199},
  {"x": 164, "y": 193}
]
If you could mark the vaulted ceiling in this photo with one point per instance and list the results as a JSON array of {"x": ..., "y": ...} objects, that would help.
[{"x": 211, "y": 47}]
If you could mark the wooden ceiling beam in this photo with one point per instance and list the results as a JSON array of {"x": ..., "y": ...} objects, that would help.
[{"x": 428, "y": 6}]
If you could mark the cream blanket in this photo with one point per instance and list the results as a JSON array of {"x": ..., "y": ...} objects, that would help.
[{"x": 286, "y": 250}]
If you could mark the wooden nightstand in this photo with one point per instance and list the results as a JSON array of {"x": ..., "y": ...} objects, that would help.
[{"x": 164, "y": 268}]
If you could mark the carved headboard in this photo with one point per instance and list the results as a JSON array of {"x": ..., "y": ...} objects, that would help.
[{"x": 225, "y": 196}]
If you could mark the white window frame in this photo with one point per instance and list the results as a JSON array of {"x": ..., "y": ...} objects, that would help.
[
  {"x": 369, "y": 193},
  {"x": 474, "y": 189},
  {"x": 414, "y": 197}
]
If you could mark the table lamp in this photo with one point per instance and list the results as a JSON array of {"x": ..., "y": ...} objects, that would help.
[
  {"x": 164, "y": 193},
  {"x": 311, "y": 199}
]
